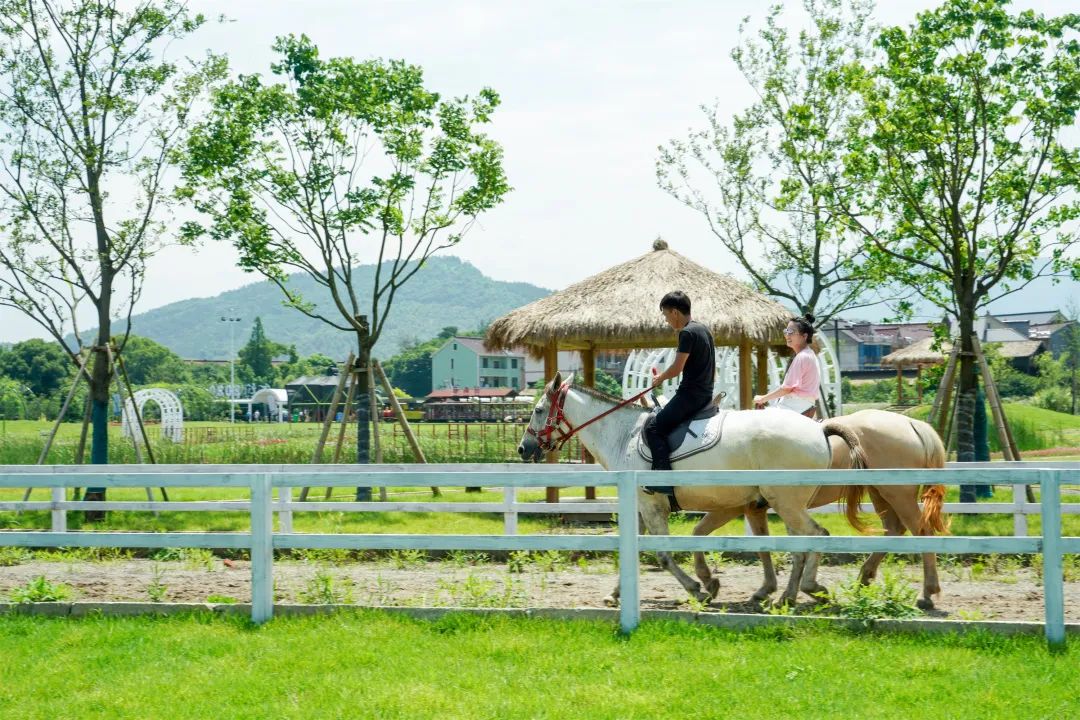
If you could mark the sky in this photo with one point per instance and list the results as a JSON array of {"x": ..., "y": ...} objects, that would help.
[{"x": 589, "y": 91}]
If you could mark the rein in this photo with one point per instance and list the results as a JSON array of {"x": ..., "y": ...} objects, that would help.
[{"x": 556, "y": 419}]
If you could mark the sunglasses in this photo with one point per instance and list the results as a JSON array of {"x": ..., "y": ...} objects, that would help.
[{"x": 789, "y": 331}]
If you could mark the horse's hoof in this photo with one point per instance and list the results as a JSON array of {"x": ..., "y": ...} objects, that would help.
[
  {"x": 702, "y": 597},
  {"x": 788, "y": 600},
  {"x": 925, "y": 604},
  {"x": 760, "y": 596},
  {"x": 816, "y": 591},
  {"x": 611, "y": 601},
  {"x": 713, "y": 586},
  {"x": 865, "y": 580}
]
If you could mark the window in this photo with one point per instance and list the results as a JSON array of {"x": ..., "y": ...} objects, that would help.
[
  {"x": 514, "y": 382},
  {"x": 484, "y": 362},
  {"x": 513, "y": 364},
  {"x": 451, "y": 363},
  {"x": 455, "y": 346}
]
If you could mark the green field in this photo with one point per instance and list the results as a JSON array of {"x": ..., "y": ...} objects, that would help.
[
  {"x": 370, "y": 664},
  {"x": 21, "y": 442}
]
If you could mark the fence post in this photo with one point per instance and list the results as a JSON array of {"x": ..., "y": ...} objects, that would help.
[
  {"x": 629, "y": 606},
  {"x": 285, "y": 509},
  {"x": 262, "y": 550},
  {"x": 1020, "y": 523},
  {"x": 59, "y": 514},
  {"x": 1053, "y": 573},
  {"x": 510, "y": 518}
]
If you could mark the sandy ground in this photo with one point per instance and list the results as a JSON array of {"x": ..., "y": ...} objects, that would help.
[{"x": 1004, "y": 593}]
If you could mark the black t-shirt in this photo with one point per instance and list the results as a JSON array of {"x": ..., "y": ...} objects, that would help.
[{"x": 699, "y": 373}]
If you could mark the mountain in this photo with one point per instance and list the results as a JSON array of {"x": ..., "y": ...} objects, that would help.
[{"x": 446, "y": 291}]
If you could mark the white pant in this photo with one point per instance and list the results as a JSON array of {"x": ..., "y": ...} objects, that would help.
[{"x": 793, "y": 403}]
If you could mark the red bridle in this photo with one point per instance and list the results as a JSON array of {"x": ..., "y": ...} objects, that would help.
[{"x": 556, "y": 419}]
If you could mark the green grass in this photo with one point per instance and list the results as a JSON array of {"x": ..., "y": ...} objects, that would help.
[
  {"x": 371, "y": 664},
  {"x": 1033, "y": 428}
]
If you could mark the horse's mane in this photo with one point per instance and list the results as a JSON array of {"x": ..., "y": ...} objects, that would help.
[{"x": 601, "y": 395}]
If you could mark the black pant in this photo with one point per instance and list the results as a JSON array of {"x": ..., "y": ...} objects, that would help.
[{"x": 679, "y": 409}]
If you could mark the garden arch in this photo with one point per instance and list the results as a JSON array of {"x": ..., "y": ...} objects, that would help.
[{"x": 172, "y": 413}]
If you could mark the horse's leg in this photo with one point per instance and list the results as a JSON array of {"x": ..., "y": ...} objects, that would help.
[
  {"x": 893, "y": 526},
  {"x": 758, "y": 520},
  {"x": 791, "y": 507},
  {"x": 904, "y": 502},
  {"x": 711, "y": 521}
]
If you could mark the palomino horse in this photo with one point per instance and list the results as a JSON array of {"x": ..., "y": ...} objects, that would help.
[
  {"x": 749, "y": 440},
  {"x": 888, "y": 440}
]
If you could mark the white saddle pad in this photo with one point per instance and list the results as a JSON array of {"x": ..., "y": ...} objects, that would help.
[{"x": 703, "y": 435}]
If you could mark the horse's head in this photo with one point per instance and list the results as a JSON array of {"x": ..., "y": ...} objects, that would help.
[{"x": 543, "y": 431}]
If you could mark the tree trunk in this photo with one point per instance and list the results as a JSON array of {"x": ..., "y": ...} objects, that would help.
[
  {"x": 965, "y": 409},
  {"x": 99, "y": 404},
  {"x": 363, "y": 407}
]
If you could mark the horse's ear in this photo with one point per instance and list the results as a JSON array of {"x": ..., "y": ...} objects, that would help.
[
  {"x": 570, "y": 380},
  {"x": 557, "y": 380}
]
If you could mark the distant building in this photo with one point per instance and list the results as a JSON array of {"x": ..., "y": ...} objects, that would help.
[{"x": 464, "y": 362}]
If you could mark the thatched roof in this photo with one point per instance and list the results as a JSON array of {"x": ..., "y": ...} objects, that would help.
[
  {"x": 918, "y": 353},
  {"x": 618, "y": 308}
]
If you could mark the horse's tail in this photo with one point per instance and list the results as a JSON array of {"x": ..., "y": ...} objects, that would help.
[
  {"x": 856, "y": 456},
  {"x": 933, "y": 497},
  {"x": 852, "y": 499},
  {"x": 855, "y": 460}
]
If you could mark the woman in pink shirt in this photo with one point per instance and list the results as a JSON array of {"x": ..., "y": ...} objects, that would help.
[{"x": 802, "y": 381}]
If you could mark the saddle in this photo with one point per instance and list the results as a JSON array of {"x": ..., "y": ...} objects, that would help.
[{"x": 698, "y": 434}]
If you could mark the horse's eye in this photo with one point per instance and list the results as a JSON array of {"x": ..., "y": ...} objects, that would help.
[{"x": 538, "y": 410}]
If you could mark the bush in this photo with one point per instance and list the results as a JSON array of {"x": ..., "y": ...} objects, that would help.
[
  {"x": 40, "y": 589},
  {"x": 1057, "y": 399}
]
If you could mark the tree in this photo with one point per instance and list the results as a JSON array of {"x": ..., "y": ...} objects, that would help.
[
  {"x": 966, "y": 184},
  {"x": 256, "y": 357},
  {"x": 279, "y": 169},
  {"x": 91, "y": 113},
  {"x": 41, "y": 366},
  {"x": 149, "y": 362},
  {"x": 763, "y": 183}
]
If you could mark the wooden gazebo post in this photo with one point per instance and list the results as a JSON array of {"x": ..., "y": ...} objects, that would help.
[
  {"x": 588, "y": 366},
  {"x": 762, "y": 369},
  {"x": 551, "y": 366},
  {"x": 746, "y": 380}
]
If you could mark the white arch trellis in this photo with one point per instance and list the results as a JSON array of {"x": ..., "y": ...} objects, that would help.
[
  {"x": 637, "y": 375},
  {"x": 172, "y": 414}
]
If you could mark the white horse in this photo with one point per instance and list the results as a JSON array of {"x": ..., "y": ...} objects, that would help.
[{"x": 770, "y": 439}]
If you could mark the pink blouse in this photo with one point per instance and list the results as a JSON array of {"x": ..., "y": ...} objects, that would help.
[{"x": 802, "y": 375}]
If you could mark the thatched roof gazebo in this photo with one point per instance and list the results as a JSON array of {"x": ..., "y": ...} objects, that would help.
[
  {"x": 918, "y": 354},
  {"x": 618, "y": 309}
]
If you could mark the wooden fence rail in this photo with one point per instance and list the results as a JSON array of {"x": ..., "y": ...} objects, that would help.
[{"x": 262, "y": 540}]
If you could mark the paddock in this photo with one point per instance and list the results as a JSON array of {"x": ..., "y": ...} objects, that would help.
[{"x": 262, "y": 539}]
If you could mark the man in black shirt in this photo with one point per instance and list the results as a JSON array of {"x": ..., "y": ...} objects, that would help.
[{"x": 695, "y": 358}]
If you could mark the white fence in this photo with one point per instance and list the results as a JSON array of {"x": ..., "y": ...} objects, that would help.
[
  {"x": 262, "y": 540},
  {"x": 285, "y": 505}
]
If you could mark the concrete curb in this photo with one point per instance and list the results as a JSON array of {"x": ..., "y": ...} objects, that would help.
[{"x": 729, "y": 621}]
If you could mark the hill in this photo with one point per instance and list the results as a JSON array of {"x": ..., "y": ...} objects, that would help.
[{"x": 446, "y": 291}]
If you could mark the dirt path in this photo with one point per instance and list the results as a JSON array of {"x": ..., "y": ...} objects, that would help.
[{"x": 1007, "y": 593}]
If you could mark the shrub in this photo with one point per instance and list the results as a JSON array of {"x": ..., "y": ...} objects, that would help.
[
  {"x": 1054, "y": 398},
  {"x": 40, "y": 589}
]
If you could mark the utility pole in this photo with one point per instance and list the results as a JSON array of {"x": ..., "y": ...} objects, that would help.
[{"x": 232, "y": 358}]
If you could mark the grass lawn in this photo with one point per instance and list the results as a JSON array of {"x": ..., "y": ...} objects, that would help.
[{"x": 371, "y": 664}]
